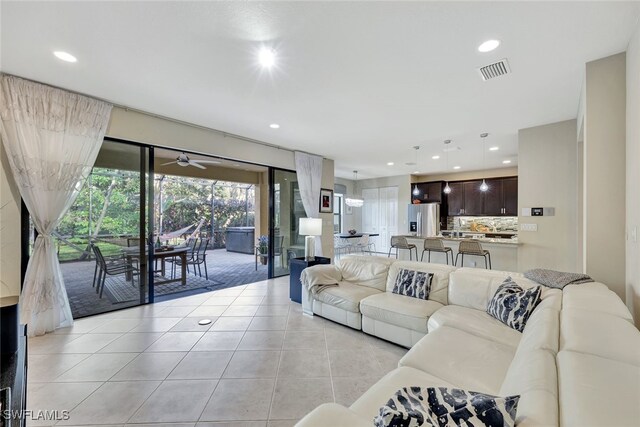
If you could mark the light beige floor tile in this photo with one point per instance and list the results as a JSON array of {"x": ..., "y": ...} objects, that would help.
[
  {"x": 218, "y": 341},
  {"x": 255, "y": 292},
  {"x": 348, "y": 389},
  {"x": 273, "y": 310},
  {"x": 97, "y": 367},
  {"x": 194, "y": 300},
  {"x": 253, "y": 364},
  {"x": 132, "y": 343},
  {"x": 176, "y": 311},
  {"x": 241, "y": 310},
  {"x": 208, "y": 310},
  {"x": 190, "y": 324},
  {"x": 219, "y": 300},
  {"x": 295, "y": 397},
  {"x": 389, "y": 357},
  {"x": 276, "y": 299},
  {"x": 89, "y": 343},
  {"x": 149, "y": 310},
  {"x": 229, "y": 292},
  {"x": 239, "y": 399},
  {"x": 247, "y": 300},
  {"x": 345, "y": 338},
  {"x": 51, "y": 343},
  {"x": 157, "y": 324},
  {"x": 175, "y": 341},
  {"x": 282, "y": 423},
  {"x": 82, "y": 326},
  {"x": 303, "y": 364},
  {"x": 117, "y": 325},
  {"x": 353, "y": 363},
  {"x": 202, "y": 365},
  {"x": 113, "y": 403},
  {"x": 262, "y": 340},
  {"x": 268, "y": 323},
  {"x": 149, "y": 366},
  {"x": 233, "y": 424},
  {"x": 175, "y": 401},
  {"x": 300, "y": 340},
  {"x": 231, "y": 324},
  {"x": 47, "y": 367},
  {"x": 57, "y": 397},
  {"x": 161, "y": 425},
  {"x": 300, "y": 322}
]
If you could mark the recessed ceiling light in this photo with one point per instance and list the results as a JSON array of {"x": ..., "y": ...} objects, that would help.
[
  {"x": 436, "y": 157},
  {"x": 416, "y": 171},
  {"x": 65, "y": 56},
  {"x": 267, "y": 57},
  {"x": 274, "y": 126},
  {"x": 390, "y": 164},
  {"x": 494, "y": 148},
  {"x": 456, "y": 167},
  {"x": 488, "y": 46},
  {"x": 506, "y": 162}
]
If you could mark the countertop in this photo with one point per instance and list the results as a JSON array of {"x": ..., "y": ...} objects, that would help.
[{"x": 505, "y": 242}]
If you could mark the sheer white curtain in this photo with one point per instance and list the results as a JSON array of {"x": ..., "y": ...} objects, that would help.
[
  {"x": 52, "y": 138},
  {"x": 309, "y": 173}
]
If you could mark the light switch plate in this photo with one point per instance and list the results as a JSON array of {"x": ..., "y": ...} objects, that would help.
[{"x": 528, "y": 227}]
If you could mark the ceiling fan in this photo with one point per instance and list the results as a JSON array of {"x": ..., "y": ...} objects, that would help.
[{"x": 184, "y": 160}]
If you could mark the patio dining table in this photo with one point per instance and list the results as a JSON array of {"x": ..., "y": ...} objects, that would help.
[{"x": 162, "y": 255}]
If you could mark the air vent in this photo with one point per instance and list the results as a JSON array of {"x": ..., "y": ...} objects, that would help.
[{"x": 494, "y": 70}]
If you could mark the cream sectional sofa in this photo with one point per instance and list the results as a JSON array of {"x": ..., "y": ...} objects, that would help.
[{"x": 577, "y": 362}]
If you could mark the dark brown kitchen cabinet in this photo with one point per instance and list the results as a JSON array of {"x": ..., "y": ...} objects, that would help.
[
  {"x": 472, "y": 198},
  {"x": 428, "y": 192},
  {"x": 494, "y": 198},
  {"x": 510, "y": 191},
  {"x": 455, "y": 199}
]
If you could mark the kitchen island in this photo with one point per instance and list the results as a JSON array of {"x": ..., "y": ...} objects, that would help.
[{"x": 504, "y": 252}]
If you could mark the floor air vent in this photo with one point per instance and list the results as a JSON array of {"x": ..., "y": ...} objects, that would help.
[{"x": 494, "y": 70}]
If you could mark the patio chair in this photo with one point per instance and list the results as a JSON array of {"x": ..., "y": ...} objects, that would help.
[
  {"x": 111, "y": 266},
  {"x": 197, "y": 258},
  {"x": 277, "y": 249}
]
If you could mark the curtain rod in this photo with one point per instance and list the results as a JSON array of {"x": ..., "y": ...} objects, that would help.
[{"x": 170, "y": 119}]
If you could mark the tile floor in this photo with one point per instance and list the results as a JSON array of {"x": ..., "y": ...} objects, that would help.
[{"x": 260, "y": 363}]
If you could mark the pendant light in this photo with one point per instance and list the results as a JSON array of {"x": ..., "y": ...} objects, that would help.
[
  {"x": 483, "y": 186},
  {"x": 354, "y": 201},
  {"x": 447, "y": 189},
  {"x": 415, "y": 191}
]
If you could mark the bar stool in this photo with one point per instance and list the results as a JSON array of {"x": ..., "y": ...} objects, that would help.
[
  {"x": 399, "y": 242},
  {"x": 365, "y": 245},
  {"x": 435, "y": 244},
  {"x": 474, "y": 248}
]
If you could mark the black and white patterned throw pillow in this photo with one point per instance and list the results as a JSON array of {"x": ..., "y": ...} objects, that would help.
[
  {"x": 512, "y": 305},
  {"x": 411, "y": 283},
  {"x": 441, "y": 406}
]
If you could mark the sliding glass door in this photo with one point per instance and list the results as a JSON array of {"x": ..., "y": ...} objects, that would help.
[{"x": 286, "y": 210}]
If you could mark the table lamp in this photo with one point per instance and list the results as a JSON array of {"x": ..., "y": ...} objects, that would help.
[{"x": 310, "y": 227}]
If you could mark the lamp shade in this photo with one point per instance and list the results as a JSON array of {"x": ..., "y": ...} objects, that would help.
[{"x": 310, "y": 227}]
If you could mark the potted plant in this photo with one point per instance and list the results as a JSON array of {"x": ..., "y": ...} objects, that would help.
[{"x": 263, "y": 248}]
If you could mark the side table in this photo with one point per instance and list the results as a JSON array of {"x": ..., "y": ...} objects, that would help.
[{"x": 296, "y": 265}]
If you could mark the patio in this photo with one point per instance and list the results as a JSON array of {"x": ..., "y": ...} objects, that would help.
[{"x": 226, "y": 269}]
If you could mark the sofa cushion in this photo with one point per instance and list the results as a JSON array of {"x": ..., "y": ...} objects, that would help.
[
  {"x": 346, "y": 296},
  {"x": 600, "y": 334},
  {"x": 411, "y": 283},
  {"x": 369, "y": 271},
  {"x": 542, "y": 331},
  {"x": 476, "y": 322},
  {"x": 461, "y": 358},
  {"x": 439, "y": 283},
  {"x": 406, "y": 312},
  {"x": 438, "y": 406},
  {"x": 512, "y": 305},
  {"x": 533, "y": 376},
  {"x": 595, "y": 297},
  {"x": 595, "y": 391},
  {"x": 368, "y": 405}
]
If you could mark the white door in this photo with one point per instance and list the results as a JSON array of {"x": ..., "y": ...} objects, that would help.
[
  {"x": 388, "y": 222},
  {"x": 371, "y": 213}
]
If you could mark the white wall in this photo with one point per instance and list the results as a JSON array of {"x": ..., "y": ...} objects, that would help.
[
  {"x": 462, "y": 176},
  {"x": 9, "y": 230},
  {"x": 349, "y": 221},
  {"x": 604, "y": 171},
  {"x": 633, "y": 176},
  {"x": 547, "y": 176}
]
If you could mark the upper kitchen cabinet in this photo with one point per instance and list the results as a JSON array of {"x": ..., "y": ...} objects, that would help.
[
  {"x": 428, "y": 192},
  {"x": 455, "y": 199},
  {"x": 510, "y": 191},
  {"x": 501, "y": 199},
  {"x": 473, "y": 198},
  {"x": 494, "y": 198}
]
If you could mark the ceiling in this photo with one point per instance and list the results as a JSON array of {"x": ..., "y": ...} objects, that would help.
[{"x": 359, "y": 82}]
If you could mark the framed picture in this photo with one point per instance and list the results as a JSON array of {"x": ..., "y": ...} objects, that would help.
[
  {"x": 348, "y": 209},
  {"x": 326, "y": 200}
]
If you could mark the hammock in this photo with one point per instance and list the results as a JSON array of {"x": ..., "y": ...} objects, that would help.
[{"x": 178, "y": 233}]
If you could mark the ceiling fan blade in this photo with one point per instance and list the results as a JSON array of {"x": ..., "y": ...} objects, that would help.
[
  {"x": 170, "y": 163},
  {"x": 208, "y": 162},
  {"x": 198, "y": 165}
]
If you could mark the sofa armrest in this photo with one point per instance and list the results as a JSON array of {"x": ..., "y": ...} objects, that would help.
[
  {"x": 334, "y": 415},
  {"x": 322, "y": 274}
]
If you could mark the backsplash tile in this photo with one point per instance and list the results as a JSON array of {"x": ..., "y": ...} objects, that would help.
[{"x": 501, "y": 223}]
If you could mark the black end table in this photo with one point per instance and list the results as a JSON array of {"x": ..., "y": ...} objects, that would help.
[{"x": 296, "y": 265}]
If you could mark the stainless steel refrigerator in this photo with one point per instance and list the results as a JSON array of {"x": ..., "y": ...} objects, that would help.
[{"x": 424, "y": 219}]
